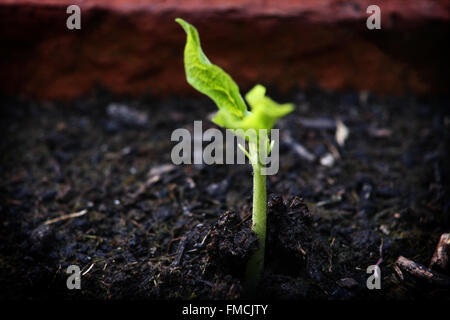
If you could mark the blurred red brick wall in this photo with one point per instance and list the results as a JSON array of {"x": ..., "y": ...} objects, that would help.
[{"x": 132, "y": 47}]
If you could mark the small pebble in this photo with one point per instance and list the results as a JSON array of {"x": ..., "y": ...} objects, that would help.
[{"x": 327, "y": 160}]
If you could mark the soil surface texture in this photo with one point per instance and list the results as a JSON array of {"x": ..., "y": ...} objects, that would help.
[{"x": 91, "y": 183}]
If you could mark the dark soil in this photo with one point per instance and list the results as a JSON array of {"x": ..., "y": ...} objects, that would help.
[{"x": 157, "y": 231}]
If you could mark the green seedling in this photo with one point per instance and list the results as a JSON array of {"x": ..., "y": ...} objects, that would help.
[{"x": 233, "y": 114}]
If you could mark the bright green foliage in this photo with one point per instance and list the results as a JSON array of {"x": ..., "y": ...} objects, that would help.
[
  {"x": 211, "y": 80},
  {"x": 233, "y": 114},
  {"x": 208, "y": 78},
  {"x": 265, "y": 111}
]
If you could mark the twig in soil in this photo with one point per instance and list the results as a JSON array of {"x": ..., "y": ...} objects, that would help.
[
  {"x": 422, "y": 272},
  {"x": 169, "y": 245},
  {"x": 205, "y": 264},
  {"x": 209, "y": 284},
  {"x": 154, "y": 176},
  {"x": 330, "y": 256},
  {"x": 89, "y": 269},
  {"x": 380, "y": 260},
  {"x": 441, "y": 255},
  {"x": 204, "y": 239},
  {"x": 300, "y": 249},
  {"x": 379, "y": 132},
  {"x": 66, "y": 217},
  {"x": 399, "y": 272},
  {"x": 318, "y": 123},
  {"x": 334, "y": 199},
  {"x": 299, "y": 149},
  {"x": 244, "y": 220},
  {"x": 150, "y": 181},
  {"x": 91, "y": 236},
  {"x": 57, "y": 271},
  {"x": 160, "y": 258},
  {"x": 181, "y": 248}
]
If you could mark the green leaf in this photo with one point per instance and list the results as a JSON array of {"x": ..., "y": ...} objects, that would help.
[
  {"x": 208, "y": 78},
  {"x": 264, "y": 111},
  {"x": 212, "y": 81},
  {"x": 226, "y": 120}
]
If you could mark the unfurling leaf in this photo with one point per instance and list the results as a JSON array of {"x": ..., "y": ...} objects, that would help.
[
  {"x": 208, "y": 78},
  {"x": 212, "y": 81},
  {"x": 265, "y": 112}
]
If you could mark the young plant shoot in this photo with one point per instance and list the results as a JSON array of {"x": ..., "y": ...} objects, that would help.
[{"x": 253, "y": 125}]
